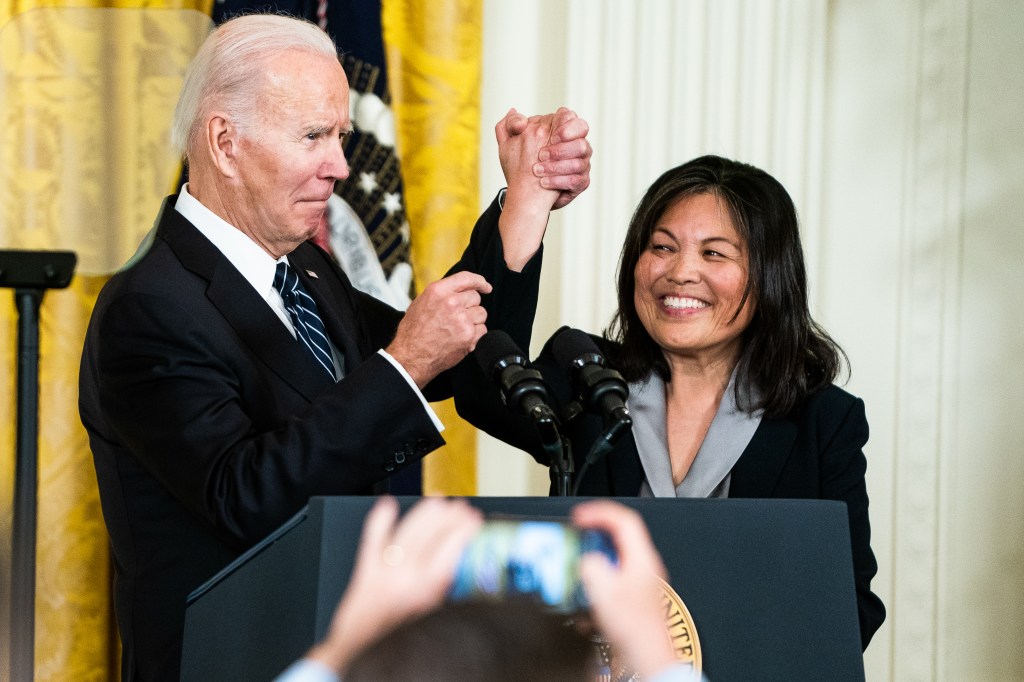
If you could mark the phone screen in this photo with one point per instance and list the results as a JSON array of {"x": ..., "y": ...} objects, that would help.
[{"x": 536, "y": 558}]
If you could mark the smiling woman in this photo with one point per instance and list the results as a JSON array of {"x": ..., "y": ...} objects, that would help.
[
  {"x": 691, "y": 283},
  {"x": 730, "y": 379},
  {"x": 746, "y": 220}
]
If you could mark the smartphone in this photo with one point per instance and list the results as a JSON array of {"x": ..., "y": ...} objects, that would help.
[{"x": 536, "y": 558}]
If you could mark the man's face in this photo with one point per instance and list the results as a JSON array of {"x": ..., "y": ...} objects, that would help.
[{"x": 290, "y": 159}]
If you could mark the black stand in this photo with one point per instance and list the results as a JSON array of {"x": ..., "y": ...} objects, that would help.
[
  {"x": 560, "y": 454},
  {"x": 29, "y": 273}
]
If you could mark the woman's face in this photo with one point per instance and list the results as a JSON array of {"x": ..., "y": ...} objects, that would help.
[{"x": 690, "y": 280}]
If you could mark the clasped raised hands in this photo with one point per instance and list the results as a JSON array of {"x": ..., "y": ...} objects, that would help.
[
  {"x": 546, "y": 162},
  {"x": 548, "y": 152}
]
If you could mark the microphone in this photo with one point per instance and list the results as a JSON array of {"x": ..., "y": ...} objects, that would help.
[
  {"x": 523, "y": 390},
  {"x": 599, "y": 388}
]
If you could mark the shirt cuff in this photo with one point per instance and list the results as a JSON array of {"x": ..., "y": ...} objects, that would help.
[
  {"x": 416, "y": 389},
  {"x": 501, "y": 198},
  {"x": 307, "y": 670}
]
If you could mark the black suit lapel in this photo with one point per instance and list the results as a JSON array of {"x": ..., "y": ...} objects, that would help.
[
  {"x": 243, "y": 308},
  {"x": 758, "y": 469},
  {"x": 264, "y": 333},
  {"x": 333, "y": 300}
]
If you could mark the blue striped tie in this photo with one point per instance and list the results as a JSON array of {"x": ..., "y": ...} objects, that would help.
[{"x": 302, "y": 310}]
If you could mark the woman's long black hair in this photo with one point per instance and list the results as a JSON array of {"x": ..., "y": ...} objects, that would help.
[{"x": 786, "y": 354}]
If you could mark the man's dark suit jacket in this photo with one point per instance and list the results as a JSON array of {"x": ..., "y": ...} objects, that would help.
[
  {"x": 814, "y": 453},
  {"x": 210, "y": 425}
]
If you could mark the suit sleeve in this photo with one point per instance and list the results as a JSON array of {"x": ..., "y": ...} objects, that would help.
[
  {"x": 843, "y": 467},
  {"x": 511, "y": 306},
  {"x": 513, "y": 303},
  {"x": 481, "y": 404},
  {"x": 234, "y": 446}
]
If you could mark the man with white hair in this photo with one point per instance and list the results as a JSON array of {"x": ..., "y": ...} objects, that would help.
[{"x": 232, "y": 372}]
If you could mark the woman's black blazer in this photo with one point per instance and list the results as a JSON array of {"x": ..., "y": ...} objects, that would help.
[{"x": 814, "y": 453}]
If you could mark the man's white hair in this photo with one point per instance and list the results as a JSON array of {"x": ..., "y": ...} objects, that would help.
[{"x": 226, "y": 72}]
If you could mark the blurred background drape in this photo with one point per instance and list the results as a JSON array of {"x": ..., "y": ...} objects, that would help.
[
  {"x": 434, "y": 60},
  {"x": 86, "y": 95}
]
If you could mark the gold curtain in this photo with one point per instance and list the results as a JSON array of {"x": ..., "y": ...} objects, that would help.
[
  {"x": 83, "y": 166},
  {"x": 434, "y": 66},
  {"x": 86, "y": 94}
]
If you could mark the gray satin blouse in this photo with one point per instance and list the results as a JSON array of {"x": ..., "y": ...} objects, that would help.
[{"x": 728, "y": 436}]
